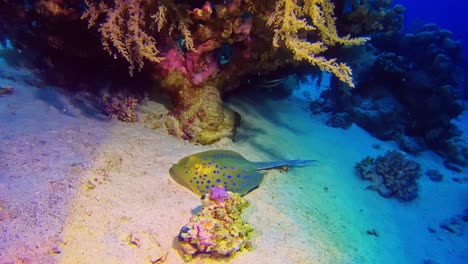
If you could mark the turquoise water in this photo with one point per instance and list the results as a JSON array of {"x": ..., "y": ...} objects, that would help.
[{"x": 330, "y": 203}]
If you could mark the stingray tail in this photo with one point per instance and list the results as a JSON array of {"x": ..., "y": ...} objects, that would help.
[{"x": 282, "y": 163}]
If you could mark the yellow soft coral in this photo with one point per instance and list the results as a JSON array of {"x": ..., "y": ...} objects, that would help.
[
  {"x": 294, "y": 17},
  {"x": 169, "y": 13},
  {"x": 124, "y": 31}
]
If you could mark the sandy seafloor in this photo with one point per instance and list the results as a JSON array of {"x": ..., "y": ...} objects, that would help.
[{"x": 76, "y": 187}]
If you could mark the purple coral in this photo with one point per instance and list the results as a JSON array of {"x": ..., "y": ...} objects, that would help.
[{"x": 218, "y": 194}]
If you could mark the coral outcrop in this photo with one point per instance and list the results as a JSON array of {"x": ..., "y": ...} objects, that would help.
[
  {"x": 371, "y": 17},
  {"x": 121, "y": 108},
  {"x": 392, "y": 175},
  {"x": 408, "y": 85},
  {"x": 201, "y": 117},
  {"x": 218, "y": 230},
  {"x": 188, "y": 48}
]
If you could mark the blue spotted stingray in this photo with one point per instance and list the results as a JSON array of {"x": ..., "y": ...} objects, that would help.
[{"x": 224, "y": 168}]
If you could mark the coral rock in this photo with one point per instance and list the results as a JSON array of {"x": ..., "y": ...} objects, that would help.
[
  {"x": 121, "y": 108},
  {"x": 392, "y": 175},
  {"x": 434, "y": 175},
  {"x": 200, "y": 116},
  {"x": 218, "y": 230}
]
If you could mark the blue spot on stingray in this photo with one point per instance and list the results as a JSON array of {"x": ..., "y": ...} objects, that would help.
[
  {"x": 218, "y": 180},
  {"x": 197, "y": 182},
  {"x": 208, "y": 181},
  {"x": 216, "y": 166},
  {"x": 234, "y": 183},
  {"x": 212, "y": 185},
  {"x": 229, "y": 176},
  {"x": 206, "y": 187},
  {"x": 238, "y": 176},
  {"x": 204, "y": 175},
  {"x": 232, "y": 168}
]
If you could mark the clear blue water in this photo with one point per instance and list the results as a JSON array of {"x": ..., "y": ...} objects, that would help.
[{"x": 449, "y": 14}]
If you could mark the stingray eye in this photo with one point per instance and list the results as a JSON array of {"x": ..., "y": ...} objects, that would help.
[{"x": 197, "y": 166}]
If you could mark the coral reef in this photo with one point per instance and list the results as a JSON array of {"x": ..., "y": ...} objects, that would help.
[
  {"x": 218, "y": 230},
  {"x": 391, "y": 175},
  {"x": 188, "y": 48},
  {"x": 408, "y": 85},
  {"x": 342, "y": 120},
  {"x": 371, "y": 17},
  {"x": 121, "y": 108}
]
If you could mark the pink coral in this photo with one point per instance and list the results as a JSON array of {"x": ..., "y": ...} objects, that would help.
[
  {"x": 200, "y": 64},
  {"x": 210, "y": 68},
  {"x": 204, "y": 236},
  {"x": 174, "y": 61}
]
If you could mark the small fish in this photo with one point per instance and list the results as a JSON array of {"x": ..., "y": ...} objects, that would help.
[
  {"x": 224, "y": 168},
  {"x": 271, "y": 83}
]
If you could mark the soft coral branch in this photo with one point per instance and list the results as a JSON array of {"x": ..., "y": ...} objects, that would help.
[
  {"x": 292, "y": 17},
  {"x": 123, "y": 31}
]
